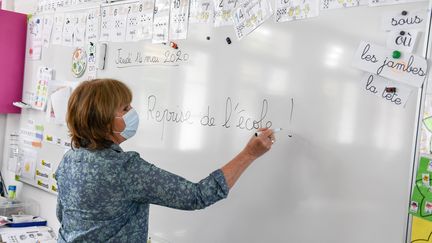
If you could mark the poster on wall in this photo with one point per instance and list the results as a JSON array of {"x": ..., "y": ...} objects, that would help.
[
  {"x": 34, "y": 31},
  {"x": 421, "y": 199}
]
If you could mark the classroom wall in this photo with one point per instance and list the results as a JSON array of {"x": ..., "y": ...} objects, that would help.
[
  {"x": 24, "y": 6},
  {"x": 10, "y": 123},
  {"x": 7, "y": 4}
]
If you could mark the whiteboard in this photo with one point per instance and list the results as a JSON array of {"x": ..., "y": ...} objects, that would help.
[{"x": 344, "y": 175}]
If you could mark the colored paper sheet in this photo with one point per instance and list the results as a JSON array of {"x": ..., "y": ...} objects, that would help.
[
  {"x": 249, "y": 15},
  {"x": 288, "y": 10},
  {"x": 13, "y": 48},
  {"x": 421, "y": 199}
]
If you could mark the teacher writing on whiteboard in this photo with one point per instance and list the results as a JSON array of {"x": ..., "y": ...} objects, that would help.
[{"x": 104, "y": 193}]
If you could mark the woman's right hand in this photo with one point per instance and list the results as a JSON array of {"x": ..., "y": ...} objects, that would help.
[{"x": 259, "y": 145}]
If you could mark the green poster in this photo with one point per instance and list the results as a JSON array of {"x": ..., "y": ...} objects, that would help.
[{"x": 421, "y": 200}]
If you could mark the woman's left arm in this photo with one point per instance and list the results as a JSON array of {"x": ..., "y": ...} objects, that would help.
[{"x": 148, "y": 183}]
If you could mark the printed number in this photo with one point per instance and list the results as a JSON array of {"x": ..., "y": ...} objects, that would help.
[
  {"x": 140, "y": 7},
  {"x": 176, "y": 3},
  {"x": 240, "y": 15},
  {"x": 221, "y": 4},
  {"x": 206, "y": 6}
]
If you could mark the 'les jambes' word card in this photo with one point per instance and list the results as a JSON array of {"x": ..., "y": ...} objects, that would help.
[{"x": 409, "y": 69}]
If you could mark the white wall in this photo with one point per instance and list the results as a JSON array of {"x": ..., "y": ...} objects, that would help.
[
  {"x": 10, "y": 123},
  {"x": 7, "y": 4},
  {"x": 24, "y": 6}
]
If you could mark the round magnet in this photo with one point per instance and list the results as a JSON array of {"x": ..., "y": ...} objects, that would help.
[
  {"x": 396, "y": 54},
  {"x": 79, "y": 62}
]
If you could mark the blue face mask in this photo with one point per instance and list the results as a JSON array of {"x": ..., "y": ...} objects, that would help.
[{"x": 131, "y": 119}]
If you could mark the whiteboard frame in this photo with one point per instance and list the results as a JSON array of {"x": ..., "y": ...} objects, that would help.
[{"x": 420, "y": 111}]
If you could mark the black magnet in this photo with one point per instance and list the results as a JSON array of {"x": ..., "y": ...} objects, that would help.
[
  {"x": 390, "y": 89},
  {"x": 228, "y": 40}
]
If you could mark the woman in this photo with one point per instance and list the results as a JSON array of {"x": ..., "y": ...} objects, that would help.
[{"x": 104, "y": 193}]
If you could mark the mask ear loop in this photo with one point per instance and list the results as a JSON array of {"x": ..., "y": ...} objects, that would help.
[{"x": 118, "y": 117}]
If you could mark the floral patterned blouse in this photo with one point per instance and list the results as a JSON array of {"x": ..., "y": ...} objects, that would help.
[{"x": 104, "y": 195}]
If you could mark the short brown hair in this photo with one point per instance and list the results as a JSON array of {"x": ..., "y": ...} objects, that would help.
[{"x": 91, "y": 110}]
